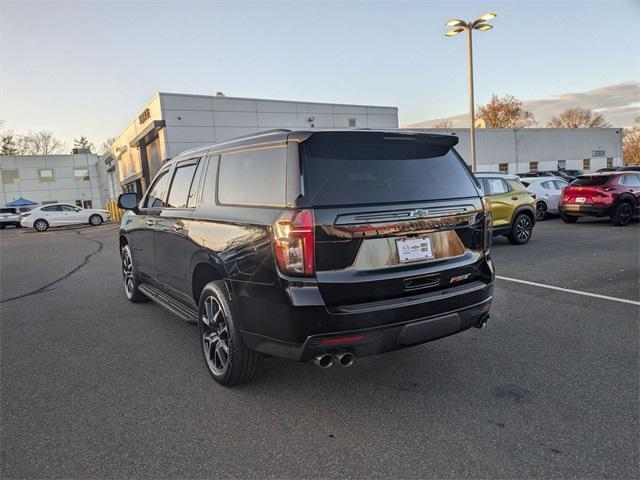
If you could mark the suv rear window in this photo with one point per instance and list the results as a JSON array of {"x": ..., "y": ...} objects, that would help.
[
  {"x": 360, "y": 168},
  {"x": 590, "y": 181}
]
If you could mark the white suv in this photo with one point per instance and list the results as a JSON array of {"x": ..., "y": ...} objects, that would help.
[{"x": 60, "y": 214}]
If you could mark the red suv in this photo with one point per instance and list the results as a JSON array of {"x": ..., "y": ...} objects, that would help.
[{"x": 611, "y": 194}]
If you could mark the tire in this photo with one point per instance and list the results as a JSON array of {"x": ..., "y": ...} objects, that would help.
[
  {"x": 541, "y": 211},
  {"x": 225, "y": 354},
  {"x": 41, "y": 225},
  {"x": 2, "y": 227},
  {"x": 568, "y": 218},
  {"x": 95, "y": 220},
  {"x": 130, "y": 278},
  {"x": 622, "y": 214},
  {"x": 521, "y": 229}
]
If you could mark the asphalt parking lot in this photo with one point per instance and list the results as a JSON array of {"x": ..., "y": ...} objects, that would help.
[{"x": 95, "y": 387}]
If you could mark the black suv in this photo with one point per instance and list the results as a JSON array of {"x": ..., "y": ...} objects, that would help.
[{"x": 323, "y": 245}]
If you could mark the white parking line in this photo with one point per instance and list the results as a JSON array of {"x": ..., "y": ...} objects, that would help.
[{"x": 577, "y": 292}]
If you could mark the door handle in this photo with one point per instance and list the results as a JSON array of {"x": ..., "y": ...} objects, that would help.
[
  {"x": 178, "y": 226},
  {"x": 151, "y": 223}
]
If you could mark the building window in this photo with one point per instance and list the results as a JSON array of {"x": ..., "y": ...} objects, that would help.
[
  {"x": 46, "y": 175},
  {"x": 504, "y": 167},
  {"x": 586, "y": 164},
  {"x": 87, "y": 204},
  {"x": 352, "y": 122},
  {"x": 10, "y": 177},
  {"x": 609, "y": 162},
  {"x": 81, "y": 173},
  {"x": 78, "y": 203},
  {"x": 533, "y": 166},
  {"x": 562, "y": 164}
]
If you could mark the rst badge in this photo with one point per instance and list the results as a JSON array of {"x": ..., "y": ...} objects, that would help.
[{"x": 459, "y": 278}]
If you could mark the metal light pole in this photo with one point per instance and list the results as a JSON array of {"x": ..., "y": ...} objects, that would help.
[{"x": 460, "y": 26}]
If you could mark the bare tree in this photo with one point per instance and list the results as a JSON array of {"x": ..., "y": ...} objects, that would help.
[
  {"x": 631, "y": 143},
  {"x": 42, "y": 143},
  {"x": 578, "y": 117},
  {"x": 83, "y": 144},
  {"x": 444, "y": 124},
  {"x": 8, "y": 145},
  {"x": 106, "y": 145},
  {"x": 505, "y": 112}
]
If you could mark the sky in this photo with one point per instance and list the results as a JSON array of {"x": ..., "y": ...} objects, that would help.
[{"x": 89, "y": 67}]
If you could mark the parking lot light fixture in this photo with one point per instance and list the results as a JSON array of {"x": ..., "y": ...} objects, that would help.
[{"x": 460, "y": 26}]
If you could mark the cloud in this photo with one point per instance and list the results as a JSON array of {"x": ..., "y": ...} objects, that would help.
[{"x": 619, "y": 103}]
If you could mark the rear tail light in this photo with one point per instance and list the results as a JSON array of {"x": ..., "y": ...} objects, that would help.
[
  {"x": 488, "y": 225},
  {"x": 294, "y": 242}
]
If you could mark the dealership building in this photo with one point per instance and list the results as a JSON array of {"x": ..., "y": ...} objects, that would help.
[
  {"x": 79, "y": 179},
  {"x": 172, "y": 123},
  {"x": 520, "y": 150}
]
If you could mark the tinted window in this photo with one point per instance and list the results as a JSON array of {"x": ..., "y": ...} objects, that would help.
[
  {"x": 347, "y": 169},
  {"x": 66, "y": 208},
  {"x": 52, "y": 208},
  {"x": 158, "y": 192},
  {"x": 495, "y": 186},
  {"x": 197, "y": 180},
  {"x": 590, "y": 181},
  {"x": 560, "y": 184},
  {"x": 179, "y": 193},
  {"x": 256, "y": 177}
]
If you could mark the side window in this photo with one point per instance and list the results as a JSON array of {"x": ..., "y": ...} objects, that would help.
[
  {"x": 52, "y": 208},
  {"x": 630, "y": 180},
  {"x": 560, "y": 184},
  {"x": 180, "y": 186},
  {"x": 67, "y": 208},
  {"x": 210, "y": 181},
  {"x": 192, "y": 201},
  {"x": 158, "y": 192},
  {"x": 255, "y": 177},
  {"x": 496, "y": 186},
  {"x": 548, "y": 186}
]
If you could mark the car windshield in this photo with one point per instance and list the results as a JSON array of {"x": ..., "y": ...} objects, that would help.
[
  {"x": 348, "y": 169},
  {"x": 590, "y": 181}
]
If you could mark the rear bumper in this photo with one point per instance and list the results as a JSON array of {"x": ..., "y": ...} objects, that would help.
[
  {"x": 585, "y": 210},
  {"x": 371, "y": 341}
]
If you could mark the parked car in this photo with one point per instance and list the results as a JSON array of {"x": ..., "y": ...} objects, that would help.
[
  {"x": 10, "y": 216},
  {"x": 323, "y": 245},
  {"x": 628, "y": 168},
  {"x": 513, "y": 207},
  {"x": 548, "y": 191},
  {"x": 60, "y": 214},
  {"x": 611, "y": 194},
  {"x": 549, "y": 173}
]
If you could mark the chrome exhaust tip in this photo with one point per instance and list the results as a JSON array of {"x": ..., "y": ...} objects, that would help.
[
  {"x": 482, "y": 322},
  {"x": 324, "y": 360},
  {"x": 345, "y": 359}
]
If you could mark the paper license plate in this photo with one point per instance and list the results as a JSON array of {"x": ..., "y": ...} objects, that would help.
[
  {"x": 414, "y": 249},
  {"x": 580, "y": 199}
]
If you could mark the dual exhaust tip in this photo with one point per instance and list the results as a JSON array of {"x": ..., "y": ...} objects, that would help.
[{"x": 326, "y": 360}]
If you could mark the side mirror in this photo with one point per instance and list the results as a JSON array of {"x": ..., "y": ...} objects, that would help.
[{"x": 128, "y": 201}]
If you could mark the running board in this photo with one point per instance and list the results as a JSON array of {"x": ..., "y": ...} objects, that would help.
[{"x": 182, "y": 311}]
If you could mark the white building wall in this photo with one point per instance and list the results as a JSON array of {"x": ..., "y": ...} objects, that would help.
[
  {"x": 63, "y": 188},
  {"x": 547, "y": 146},
  {"x": 195, "y": 120}
]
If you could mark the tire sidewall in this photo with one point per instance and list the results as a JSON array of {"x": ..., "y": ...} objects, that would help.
[
  {"x": 218, "y": 290},
  {"x": 95, "y": 215},
  {"x": 616, "y": 215},
  {"x": 514, "y": 237},
  {"x": 40, "y": 222},
  {"x": 544, "y": 209}
]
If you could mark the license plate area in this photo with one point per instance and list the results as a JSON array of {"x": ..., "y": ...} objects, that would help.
[
  {"x": 414, "y": 249},
  {"x": 581, "y": 199}
]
